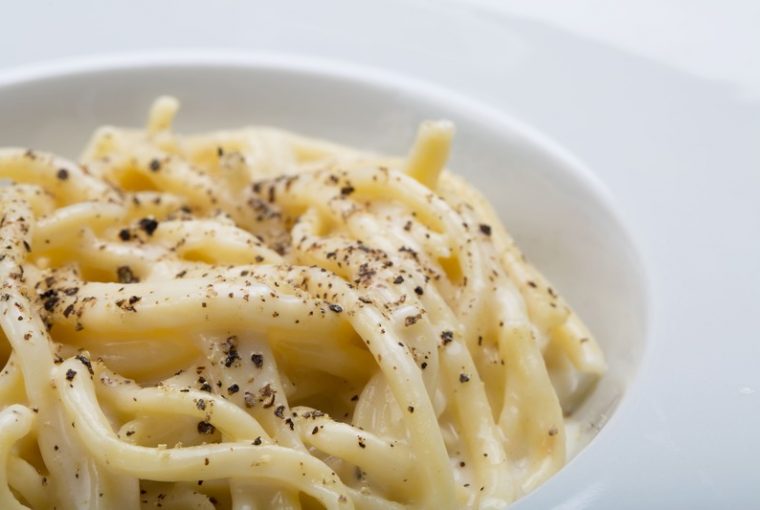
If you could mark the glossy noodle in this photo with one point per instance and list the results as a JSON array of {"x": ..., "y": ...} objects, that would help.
[{"x": 254, "y": 319}]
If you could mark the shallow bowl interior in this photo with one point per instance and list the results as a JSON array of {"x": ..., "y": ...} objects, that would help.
[{"x": 555, "y": 208}]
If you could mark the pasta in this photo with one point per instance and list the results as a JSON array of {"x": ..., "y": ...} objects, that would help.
[{"x": 254, "y": 319}]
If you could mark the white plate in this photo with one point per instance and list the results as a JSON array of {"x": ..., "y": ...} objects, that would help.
[
  {"x": 556, "y": 209},
  {"x": 680, "y": 155}
]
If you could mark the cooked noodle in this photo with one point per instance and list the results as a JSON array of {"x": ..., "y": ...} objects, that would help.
[{"x": 253, "y": 319}]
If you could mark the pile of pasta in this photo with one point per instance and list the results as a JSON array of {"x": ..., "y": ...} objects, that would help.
[{"x": 254, "y": 319}]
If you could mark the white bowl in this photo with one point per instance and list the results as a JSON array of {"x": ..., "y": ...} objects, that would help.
[{"x": 557, "y": 210}]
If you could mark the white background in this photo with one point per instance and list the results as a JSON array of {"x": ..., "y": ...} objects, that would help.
[{"x": 660, "y": 98}]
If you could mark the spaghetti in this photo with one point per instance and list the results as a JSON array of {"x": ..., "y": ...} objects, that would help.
[{"x": 254, "y": 319}]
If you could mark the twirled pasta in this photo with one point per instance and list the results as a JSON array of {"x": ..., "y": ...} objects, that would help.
[{"x": 253, "y": 319}]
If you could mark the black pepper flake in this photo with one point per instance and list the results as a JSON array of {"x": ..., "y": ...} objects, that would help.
[
  {"x": 201, "y": 404},
  {"x": 463, "y": 378},
  {"x": 347, "y": 190},
  {"x": 125, "y": 275},
  {"x": 205, "y": 427},
  {"x": 257, "y": 441},
  {"x": 257, "y": 359},
  {"x": 70, "y": 374},
  {"x": 50, "y": 302},
  {"x": 410, "y": 409},
  {"x": 314, "y": 430},
  {"x": 205, "y": 387},
  {"x": 124, "y": 234},
  {"x": 485, "y": 229},
  {"x": 279, "y": 411},
  {"x": 26, "y": 246},
  {"x": 335, "y": 308},
  {"x": 423, "y": 365},
  {"x": 149, "y": 225},
  {"x": 531, "y": 284},
  {"x": 411, "y": 320},
  {"x": 232, "y": 357},
  {"x": 418, "y": 290},
  {"x": 86, "y": 362},
  {"x": 126, "y": 305},
  {"x": 267, "y": 392},
  {"x": 62, "y": 174},
  {"x": 354, "y": 398},
  {"x": 361, "y": 442},
  {"x": 155, "y": 165},
  {"x": 553, "y": 431},
  {"x": 399, "y": 279},
  {"x": 71, "y": 291},
  {"x": 233, "y": 389},
  {"x": 447, "y": 336}
]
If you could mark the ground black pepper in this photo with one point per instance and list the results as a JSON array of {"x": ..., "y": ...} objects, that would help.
[
  {"x": 125, "y": 275},
  {"x": 149, "y": 225},
  {"x": 86, "y": 362},
  {"x": 205, "y": 427}
]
